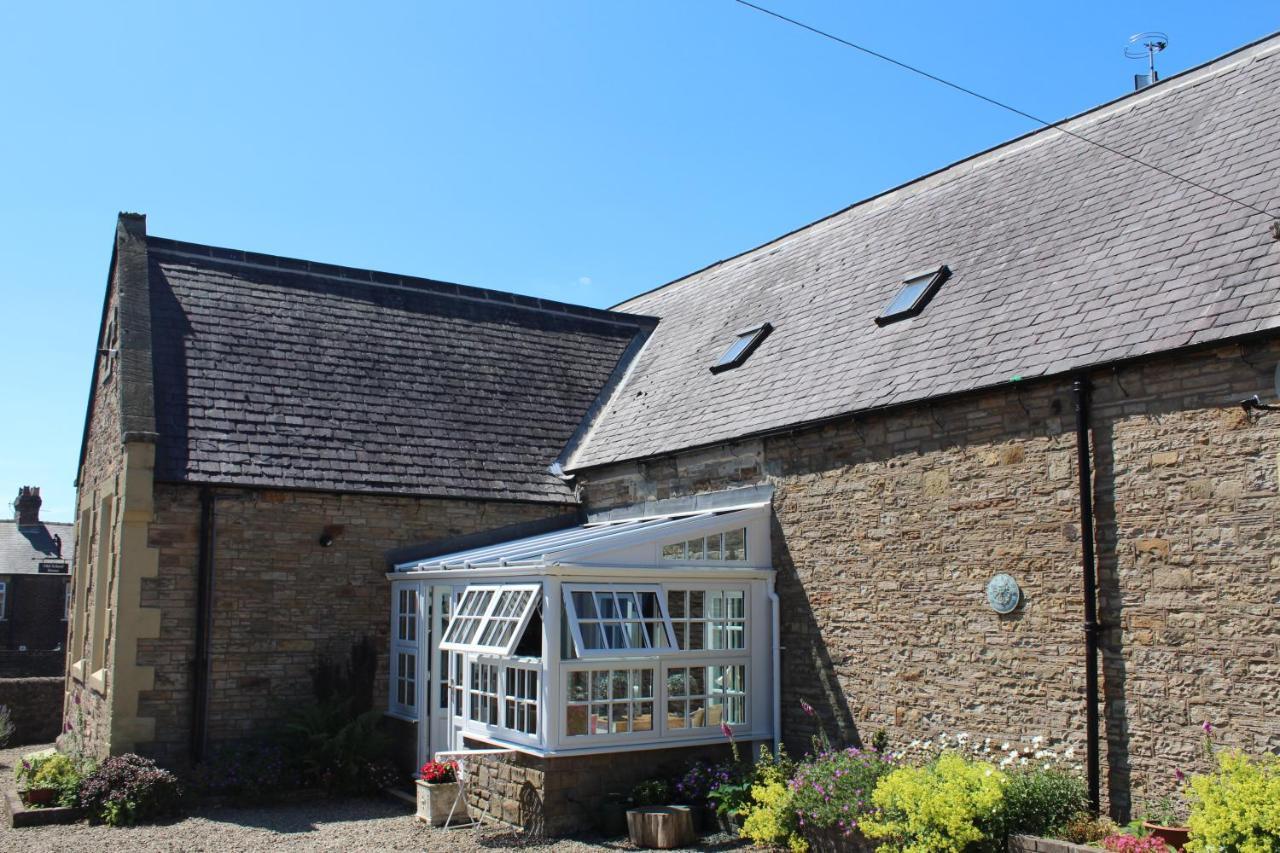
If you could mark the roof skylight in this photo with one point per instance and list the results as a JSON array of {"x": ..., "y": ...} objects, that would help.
[
  {"x": 914, "y": 296},
  {"x": 745, "y": 343}
]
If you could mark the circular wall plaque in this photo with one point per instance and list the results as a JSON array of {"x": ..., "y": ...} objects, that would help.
[{"x": 1003, "y": 594}]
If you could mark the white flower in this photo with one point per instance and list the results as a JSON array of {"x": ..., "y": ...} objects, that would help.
[
  {"x": 962, "y": 738},
  {"x": 1004, "y": 747},
  {"x": 1013, "y": 753},
  {"x": 1070, "y": 753},
  {"x": 915, "y": 744},
  {"x": 1037, "y": 740},
  {"x": 988, "y": 772},
  {"x": 1022, "y": 762}
]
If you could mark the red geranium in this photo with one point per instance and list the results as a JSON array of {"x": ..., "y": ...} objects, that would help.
[{"x": 439, "y": 772}]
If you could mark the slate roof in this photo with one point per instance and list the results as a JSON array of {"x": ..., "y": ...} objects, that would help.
[
  {"x": 283, "y": 373},
  {"x": 1061, "y": 255},
  {"x": 24, "y": 548}
]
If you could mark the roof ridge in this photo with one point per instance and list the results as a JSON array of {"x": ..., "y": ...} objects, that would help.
[
  {"x": 1167, "y": 86},
  {"x": 378, "y": 278}
]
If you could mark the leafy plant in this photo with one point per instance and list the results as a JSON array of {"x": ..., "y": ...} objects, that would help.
[
  {"x": 732, "y": 796},
  {"x": 702, "y": 777},
  {"x": 1038, "y": 801},
  {"x": 1086, "y": 828},
  {"x": 651, "y": 792},
  {"x": 61, "y": 773},
  {"x": 439, "y": 772},
  {"x": 948, "y": 806},
  {"x": 834, "y": 791},
  {"x": 770, "y": 816},
  {"x": 1237, "y": 807},
  {"x": 127, "y": 789},
  {"x": 337, "y": 750},
  {"x": 1132, "y": 844}
]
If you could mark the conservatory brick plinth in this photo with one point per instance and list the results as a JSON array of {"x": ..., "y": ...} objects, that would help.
[{"x": 563, "y": 795}]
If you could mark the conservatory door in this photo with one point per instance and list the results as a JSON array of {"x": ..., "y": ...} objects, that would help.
[{"x": 445, "y": 687}]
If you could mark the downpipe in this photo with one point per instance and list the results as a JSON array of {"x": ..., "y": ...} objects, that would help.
[
  {"x": 1088, "y": 574},
  {"x": 775, "y": 606}
]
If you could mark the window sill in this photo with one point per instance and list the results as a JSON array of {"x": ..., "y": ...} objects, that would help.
[
  {"x": 77, "y": 671},
  {"x": 396, "y": 715},
  {"x": 98, "y": 681}
]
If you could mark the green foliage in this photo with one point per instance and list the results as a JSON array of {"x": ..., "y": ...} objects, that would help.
[
  {"x": 1085, "y": 828},
  {"x": 337, "y": 749},
  {"x": 63, "y": 774},
  {"x": 949, "y": 806},
  {"x": 652, "y": 792},
  {"x": 770, "y": 817},
  {"x": 1237, "y": 808},
  {"x": 732, "y": 795},
  {"x": 1040, "y": 801},
  {"x": 834, "y": 790},
  {"x": 128, "y": 789}
]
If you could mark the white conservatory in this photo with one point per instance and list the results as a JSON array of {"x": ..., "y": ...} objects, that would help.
[{"x": 635, "y": 634}]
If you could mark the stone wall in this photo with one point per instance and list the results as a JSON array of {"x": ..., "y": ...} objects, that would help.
[
  {"x": 563, "y": 795},
  {"x": 35, "y": 707},
  {"x": 281, "y": 601},
  {"x": 888, "y": 527},
  {"x": 35, "y": 606},
  {"x": 30, "y": 664}
]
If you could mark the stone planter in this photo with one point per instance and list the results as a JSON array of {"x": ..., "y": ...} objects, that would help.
[
  {"x": 1175, "y": 836},
  {"x": 435, "y": 801}
]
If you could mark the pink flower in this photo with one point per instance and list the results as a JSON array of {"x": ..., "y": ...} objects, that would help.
[
  {"x": 726, "y": 731},
  {"x": 1179, "y": 775},
  {"x": 807, "y": 708},
  {"x": 1208, "y": 727}
]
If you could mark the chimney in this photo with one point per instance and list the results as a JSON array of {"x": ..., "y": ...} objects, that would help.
[{"x": 27, "y": 506}]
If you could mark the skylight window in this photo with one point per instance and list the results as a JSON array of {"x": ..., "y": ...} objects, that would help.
[
  {"x": 914, "y": 296},
  {"x": 745, "y": 343}
]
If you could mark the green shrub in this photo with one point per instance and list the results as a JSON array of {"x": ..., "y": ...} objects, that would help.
[
  {"x": 1237, "y": 808},
  {"x": 652, "y": 792},
  {"x": 61, "y": 773},
  {"x": 770, "y": 816},
  {"x": 128, "y": 789},
  {"x": 337, "y": 749},
  {"x": 1040, "y": 801},
  {"x": 834, "y": 790},
  {"x": 949, "y": 806}
]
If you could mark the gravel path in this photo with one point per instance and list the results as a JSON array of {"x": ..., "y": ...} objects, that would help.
[{"x": 346, "y": 825}]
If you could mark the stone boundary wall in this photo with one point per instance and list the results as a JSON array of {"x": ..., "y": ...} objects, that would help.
[
  {"x": 35, "y": 706},
  {"x": 33, "y": 664},
  {"x": 1032, "y": 844},
  {"x": 887, "y": 529}
]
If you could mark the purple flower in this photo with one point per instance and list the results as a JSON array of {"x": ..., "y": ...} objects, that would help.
[
  {"x": 1179, "y": 775},
  {"x": 1208, "y": 727},
  {"x": 807, "y": 708}
]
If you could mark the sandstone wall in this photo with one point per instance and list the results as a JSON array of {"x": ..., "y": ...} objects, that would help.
[
  {"x": 888, "y": 527},
  {"x": 281, "y": 601}
]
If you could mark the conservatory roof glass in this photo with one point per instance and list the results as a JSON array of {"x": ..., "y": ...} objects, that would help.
[{"x": 583, "y": 541}]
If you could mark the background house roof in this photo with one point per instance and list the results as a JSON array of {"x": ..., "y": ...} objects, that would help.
[
  {"x": 1061, "y": 256},
  {"x": 283, "y": 373},
  {"x": 24, "y": 547}
]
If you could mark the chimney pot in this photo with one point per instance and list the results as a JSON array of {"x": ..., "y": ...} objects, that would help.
[{"x": 27, "y": 506}]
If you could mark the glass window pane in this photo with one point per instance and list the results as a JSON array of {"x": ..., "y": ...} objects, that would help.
[
  {"x": 636, "y": 636},
  {"x": 697, "y": 681},
  {"x": 714, "y": 550},
  {"x": 648, "y": 604},
  {"x": 737, "y": 604},
  {"x": 697, "y": 606},
  {"x": 621, "y": 717},
  {"x": 697, "y": 713},
  {"x": 584, "y": 605},
  {"x": 600, "y": 719},
  {"x": 679, "y": 628},
  {"x": 628, "y": 608},
  {"x": 735, "y": 547},
  {"x": 619, "y": 684},
  {"x": 643, "y": 721},
  {"x": 577, "y": 687},
  {"x": 675, "y": 603},
  {"x": 600, "y": 684},
  {"x": 675, "y": 715},
  {"x": 674, "y": 551},
  {"x": 697, "y": 635},
  {"x": 677, "y": 682},
  {"x": 592, "y": 636},
  {"x": 697, "y": 549},
  {"x": 615, "y": 635},
  {"x": 575, "y": 720},
  {"x": 717, "y": 605},
  {"x": 608, "y": 607}
]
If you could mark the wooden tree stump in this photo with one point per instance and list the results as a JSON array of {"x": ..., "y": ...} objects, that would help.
[{"x": 661, "y": 827}]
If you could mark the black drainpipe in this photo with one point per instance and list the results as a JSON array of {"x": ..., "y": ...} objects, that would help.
[
  {"x": 204, "y": 613},
  {"x": 1084, "y": 455}
]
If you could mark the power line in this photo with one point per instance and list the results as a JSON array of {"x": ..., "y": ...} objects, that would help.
[{"x": 1002, "y": 105}]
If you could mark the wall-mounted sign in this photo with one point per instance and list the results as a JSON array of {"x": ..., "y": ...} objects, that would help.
[
  {"x": 53, "y": 568},
  {"x": 1003, "y": 594}
]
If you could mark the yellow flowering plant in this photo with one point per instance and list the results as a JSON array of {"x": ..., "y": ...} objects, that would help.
[
  {"x": 951, "y": 805},
  {"x": 1237, "y": 808}
]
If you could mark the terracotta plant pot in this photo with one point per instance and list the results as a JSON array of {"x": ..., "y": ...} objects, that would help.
[
  {"x": 1174, "y": 836},
  {"x": 435, "y": 801},
  {"x": 39, "y": 796}
]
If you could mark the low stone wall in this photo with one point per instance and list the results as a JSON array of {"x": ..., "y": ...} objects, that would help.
[
  {"x": 1032, "y": 844},
  {"x": 564, "y": 795},
  {"x": 32, "y": 664},
  {"x": 35, "y": 706}
]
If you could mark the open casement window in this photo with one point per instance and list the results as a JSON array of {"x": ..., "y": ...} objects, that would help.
[
  {"x": 606, "y": 620},
  {"x": 491, "y": 619}
]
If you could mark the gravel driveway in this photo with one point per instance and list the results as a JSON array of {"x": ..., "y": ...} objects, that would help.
[{"x": 354, "y": 824}]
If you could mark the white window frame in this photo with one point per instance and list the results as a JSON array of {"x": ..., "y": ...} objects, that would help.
[
  {"x": 405, "y": 645},
  {"x": 525, "y": 700},
  {"x": 707, "y": 621},
  {"x": 654, "y": 733},
  {"x": 485, "y": 690},
  {"x": 575, "y": 627},
  {"x": 4, "y": 600},
  {"x": 706, "y": 695},
  {"x": 488, "y": 618}
]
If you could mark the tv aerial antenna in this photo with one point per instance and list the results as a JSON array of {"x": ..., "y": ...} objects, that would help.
[{"x": 1146, "y": 46}]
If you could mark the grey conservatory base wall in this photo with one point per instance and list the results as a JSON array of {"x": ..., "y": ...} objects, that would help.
[{"x": 888, "y": 527}]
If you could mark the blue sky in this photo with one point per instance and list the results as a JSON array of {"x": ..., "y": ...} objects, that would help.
[{"x": 582, "y": 151}]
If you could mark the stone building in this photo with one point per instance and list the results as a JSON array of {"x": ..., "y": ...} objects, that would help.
[
  {"x": 798, "y": 485},
  {"x": 35, "y": 561}
]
